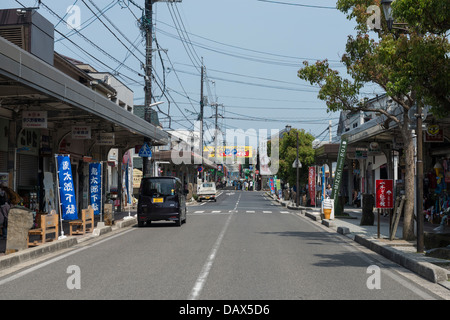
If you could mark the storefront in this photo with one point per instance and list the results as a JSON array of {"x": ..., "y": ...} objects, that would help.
[{"x": 436, "y": 183}]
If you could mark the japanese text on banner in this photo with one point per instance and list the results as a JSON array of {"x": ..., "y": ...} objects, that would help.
[{"x": 66, "y": 188}]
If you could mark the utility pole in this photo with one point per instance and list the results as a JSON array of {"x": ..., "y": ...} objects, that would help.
[
  {"x": 147, "y": 24},
  {"x": 201, "y": 120},
  {"x": 216, "y": 130},
  {"x": 329, "y": 129}
]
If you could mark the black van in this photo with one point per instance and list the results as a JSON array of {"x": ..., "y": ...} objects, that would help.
[{"x": 161, "y": 198}]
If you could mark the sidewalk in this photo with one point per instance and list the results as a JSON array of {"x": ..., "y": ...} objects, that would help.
[
  {"x": 399, "y": 251},
  {"x": 121, "y": 220}
]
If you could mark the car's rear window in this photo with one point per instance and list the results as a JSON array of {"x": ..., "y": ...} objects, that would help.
[
  {"x": 157, "y": 187},
  {"x": 207, "y": 185}
]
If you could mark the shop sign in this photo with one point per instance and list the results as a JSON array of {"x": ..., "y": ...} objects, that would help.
[
  {"x": 66, "y": 188},
  {"x": 105, "y": 139},
  {"x": 95, "y": 186},
  {"x": 339, "y": 170},
  {"x": 87, "y": 159},
  {"x": 384, "y": 194},
  {"x": 374, "y": 147},
  {"x": 28, "y": 141},
  {"x": 34, "y": 119},
  {"x": 434, "y": 134},
  {"x": 81, "y": 132},
  {"x": 360, "y": 154}
]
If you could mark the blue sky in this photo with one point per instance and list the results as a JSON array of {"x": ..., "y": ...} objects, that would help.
[{"x": 251, "y": 50}]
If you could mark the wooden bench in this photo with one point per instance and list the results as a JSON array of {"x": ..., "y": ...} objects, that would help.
[
  {"x": 48, "y": 224},
  {"x": 81, "y": 225}
]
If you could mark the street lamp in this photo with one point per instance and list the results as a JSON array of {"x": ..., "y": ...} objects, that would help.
[
  {"x": 387, "y": 9},
  {"x": 297, "y": 164}
]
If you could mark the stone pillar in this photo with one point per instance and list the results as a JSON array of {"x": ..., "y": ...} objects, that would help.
[
  {"x": 20, "y": 220},
  {"x": 108, "y": 214}
]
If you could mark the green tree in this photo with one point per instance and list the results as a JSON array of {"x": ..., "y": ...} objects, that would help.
[
  {"x": 411, "y": 64},
  {"x": 288, "y": 154}
]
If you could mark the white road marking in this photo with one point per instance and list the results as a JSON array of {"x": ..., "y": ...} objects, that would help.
[{"x": 198, "y": 286}]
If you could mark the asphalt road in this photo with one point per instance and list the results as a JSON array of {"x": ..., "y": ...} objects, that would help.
[{"x": 242, "y": 247}]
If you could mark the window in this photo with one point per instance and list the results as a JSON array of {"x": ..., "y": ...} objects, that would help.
[{"x": 157, "y": 187}]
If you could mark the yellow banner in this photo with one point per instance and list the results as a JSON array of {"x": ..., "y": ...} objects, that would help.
[{"x": 229, "y": 151}]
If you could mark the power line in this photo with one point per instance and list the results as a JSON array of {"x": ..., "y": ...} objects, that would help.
[{"x": 298, "y": 4}]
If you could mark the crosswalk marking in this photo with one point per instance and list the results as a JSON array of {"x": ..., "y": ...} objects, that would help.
[{"x": 236, "y": 211}]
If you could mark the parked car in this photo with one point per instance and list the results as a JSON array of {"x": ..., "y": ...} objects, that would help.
[
  {"x": 161, "y": 198},
  {"x": 206, "y": 191}
]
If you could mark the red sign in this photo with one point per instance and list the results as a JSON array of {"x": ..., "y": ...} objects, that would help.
[
  {"x": 384, "y": 194},
  {"x": 312, "y": 184}
]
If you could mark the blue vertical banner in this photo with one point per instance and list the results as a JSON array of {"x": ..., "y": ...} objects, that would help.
[
  {"x": 95, "y": 186},
  {"x": 66, "y": 188},
  {"x": 127, "y": 184}
]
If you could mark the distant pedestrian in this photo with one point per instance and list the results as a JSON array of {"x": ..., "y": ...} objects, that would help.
[{"x": 328, "y": 192}]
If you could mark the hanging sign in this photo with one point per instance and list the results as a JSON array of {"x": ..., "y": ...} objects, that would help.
[
  {"x": 95, "y": 186},
  {"x": 105, "y": 139},
  {"x": 34, "y": 119},
  {"x": 66, "y": 188},
  {"x": 81, "y": 132}
]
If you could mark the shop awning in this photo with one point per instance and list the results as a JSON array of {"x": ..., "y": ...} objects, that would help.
[{"x": 33, "y": 84}]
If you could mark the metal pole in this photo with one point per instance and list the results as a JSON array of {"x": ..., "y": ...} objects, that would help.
[
  {"x": 419, "y": 173},
  {"x": 298, "y": 177}
]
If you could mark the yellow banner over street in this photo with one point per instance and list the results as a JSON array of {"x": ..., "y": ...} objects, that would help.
[{"x": 229, "y": 151}]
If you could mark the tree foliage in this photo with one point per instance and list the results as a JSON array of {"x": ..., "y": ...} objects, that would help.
[
  {"x": 288, "y": 154},
  {"x": 410, "y": 63}
]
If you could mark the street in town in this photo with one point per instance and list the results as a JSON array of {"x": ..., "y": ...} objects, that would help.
[{"x": 245, "y": 246}]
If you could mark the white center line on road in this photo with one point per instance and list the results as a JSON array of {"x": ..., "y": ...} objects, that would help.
[
  {"x": 267, "y": 211},
  {"x": 198, "y": 286}
]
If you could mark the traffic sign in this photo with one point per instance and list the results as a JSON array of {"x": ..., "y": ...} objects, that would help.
[
  {"x": 146, "y": 151},
  {"x": 296, "y": 164},
  {"x": 200, "y": 169}
]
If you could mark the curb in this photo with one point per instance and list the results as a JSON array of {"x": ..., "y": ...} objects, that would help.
[
  {"x": 15, "y": 258},
  {"x": 10, "y": 260},
  {"x": 425, "y": 269}
]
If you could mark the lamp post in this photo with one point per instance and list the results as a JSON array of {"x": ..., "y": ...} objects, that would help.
[
  {"x": 297, "y": 164},
  {"x": 387, "y": 9}
]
